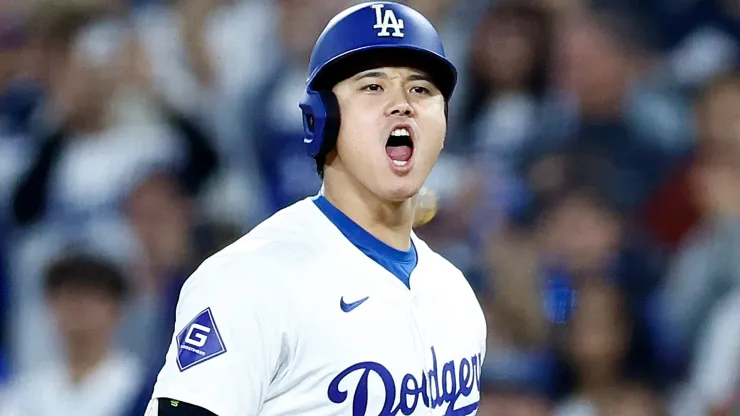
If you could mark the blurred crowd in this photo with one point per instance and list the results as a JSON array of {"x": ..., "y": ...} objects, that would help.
[{"x": 589, "y": 189}]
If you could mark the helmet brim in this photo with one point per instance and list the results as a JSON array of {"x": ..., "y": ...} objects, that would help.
[{"x": 441, "y": 70}]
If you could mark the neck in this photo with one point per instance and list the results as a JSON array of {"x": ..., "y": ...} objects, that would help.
[
  {"x": 84, "y": 355},
  {"x": 388, "y": 221}
]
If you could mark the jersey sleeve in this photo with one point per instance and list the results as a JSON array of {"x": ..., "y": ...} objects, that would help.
[
  {"x": 228, "y": 342},
  {"x": 166, "y": 407}
]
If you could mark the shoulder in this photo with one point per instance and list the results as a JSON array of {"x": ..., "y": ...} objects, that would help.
[
  {"x": 261, "y": 260},
  {"x": 449, "y": 278},
  {"x": 445, "y": 275},
  {"x": 447, "y": 271}
]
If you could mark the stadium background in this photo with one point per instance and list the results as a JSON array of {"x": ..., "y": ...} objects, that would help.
[{"x": 589, "y": 189}]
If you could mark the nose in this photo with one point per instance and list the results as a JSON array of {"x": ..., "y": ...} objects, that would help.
[{"x": 400, "y": 106}]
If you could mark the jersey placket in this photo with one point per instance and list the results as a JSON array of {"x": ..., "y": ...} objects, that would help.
[{"x": 424, "y": 346}]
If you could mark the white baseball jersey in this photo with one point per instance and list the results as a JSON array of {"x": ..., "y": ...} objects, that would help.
[{"x": 302, "y": 317}]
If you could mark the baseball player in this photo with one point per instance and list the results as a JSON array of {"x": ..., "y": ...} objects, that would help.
[{"x": 333, "y": 306}]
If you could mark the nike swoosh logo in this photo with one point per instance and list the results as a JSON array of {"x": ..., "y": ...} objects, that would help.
[{"x": 349, "y": 307}]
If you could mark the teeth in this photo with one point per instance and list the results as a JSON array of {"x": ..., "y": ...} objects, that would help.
[
  {"x": 400, "y": 132},
  {"x": 400, "y": 162}
]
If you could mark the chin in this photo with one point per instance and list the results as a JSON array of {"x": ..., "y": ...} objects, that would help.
[{"x": 400, "y": 191}]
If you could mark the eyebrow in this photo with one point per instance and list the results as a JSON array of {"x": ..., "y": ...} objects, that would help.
[
  {"x": 416, "y": 76},
  {"x": 370, "y": 74}
]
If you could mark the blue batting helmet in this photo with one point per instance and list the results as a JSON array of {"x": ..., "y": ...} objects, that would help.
[{"x": 374, "y": 33}]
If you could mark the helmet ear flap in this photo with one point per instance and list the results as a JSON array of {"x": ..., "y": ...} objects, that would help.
[
  {"x": 314, "y": 120},
  {"x": 320, "y": 121}
]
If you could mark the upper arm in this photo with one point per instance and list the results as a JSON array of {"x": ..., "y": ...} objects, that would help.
[{"x": 227, "y": 342}]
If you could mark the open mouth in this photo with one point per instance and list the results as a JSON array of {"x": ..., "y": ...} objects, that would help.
[{"x": 400, "y": 147}]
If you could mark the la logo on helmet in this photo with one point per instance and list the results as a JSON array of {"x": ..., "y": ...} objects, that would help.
[{"x": 386, "y": 19}]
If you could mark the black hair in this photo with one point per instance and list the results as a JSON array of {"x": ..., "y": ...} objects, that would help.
[
  {"x": 87, "y": 272},
  {"x": 537, "y": 83},
  {"x": 320, "y": 160}
]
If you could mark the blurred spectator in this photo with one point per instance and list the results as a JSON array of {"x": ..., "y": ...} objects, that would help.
[
  {"x": 91, "y": 155},
  {"x": 508, "y": 57},
  {"x": 519, "y": 335},
  {"x": 536, "y": 272},
  {"x": 700, "y": 294},
  {"x": 598, "y": 342},
  {"x": 585, "y": 240},
  {"x": 287, "y": 173},
  {"x": 508, "y": 60},
  {"x": 686, "y": 198},
  {"x": 203, "y": 59},
  {"x": 582, "y": 234},
  {"x": 706, "y": 266},
  {"x": 160, "y": 215},
  {"x": 608, "y": 102},
  {"x": 76, "y": 138},
  {"x": 86, "y": 295}
]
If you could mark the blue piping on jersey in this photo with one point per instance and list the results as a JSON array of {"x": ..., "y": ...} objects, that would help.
[{"x": 398, "y": 262}]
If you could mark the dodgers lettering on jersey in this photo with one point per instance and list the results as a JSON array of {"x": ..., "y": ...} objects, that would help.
[{"x": 431, "y": 388}]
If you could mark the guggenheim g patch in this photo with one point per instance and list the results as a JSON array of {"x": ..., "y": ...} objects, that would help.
[{"x": 199, "y": 341}]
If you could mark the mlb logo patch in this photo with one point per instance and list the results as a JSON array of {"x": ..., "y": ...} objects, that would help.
[{"x": 199, "y": 341}]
